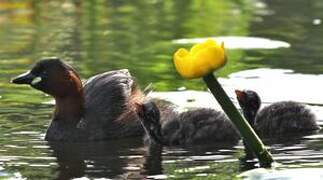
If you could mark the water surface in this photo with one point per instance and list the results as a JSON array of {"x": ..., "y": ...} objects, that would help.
[{"x": 101, "y": 35}]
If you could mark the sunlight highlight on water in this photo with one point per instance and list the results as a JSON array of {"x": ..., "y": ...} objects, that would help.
[{"x": 236, "y": 42}]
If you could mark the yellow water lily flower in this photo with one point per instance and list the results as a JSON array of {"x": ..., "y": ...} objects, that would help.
[{"x": 200, "y": 60}]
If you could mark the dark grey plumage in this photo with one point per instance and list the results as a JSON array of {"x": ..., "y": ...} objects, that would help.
[
  {"x": 108, "y": 113},
  {"x": 281, "y": 118},
  {"x": 197, "y": 126},
  {"x": 285, "y": 117}
]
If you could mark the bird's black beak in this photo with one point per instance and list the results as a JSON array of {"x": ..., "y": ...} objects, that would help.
[{"x": 25, "y": 78}]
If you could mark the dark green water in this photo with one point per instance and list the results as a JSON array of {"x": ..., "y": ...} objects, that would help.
[{"x": 101, "y": 35}]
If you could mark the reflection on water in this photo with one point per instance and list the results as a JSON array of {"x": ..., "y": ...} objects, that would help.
[{"x": 100, "y": 35}]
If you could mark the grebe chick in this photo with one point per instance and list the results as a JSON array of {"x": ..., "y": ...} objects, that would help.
[
  {"x": 278, "y": 118},
  {"x": 198, "y": 126}
]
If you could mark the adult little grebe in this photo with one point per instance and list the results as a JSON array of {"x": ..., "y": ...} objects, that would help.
[
  {"x": 100, "y": 109},
  {"x": 198, "y": 126},
  {"x": 278, "y": 118}
]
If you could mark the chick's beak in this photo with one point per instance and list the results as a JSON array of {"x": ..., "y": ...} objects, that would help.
[
  {"x": 240, "y": 95},
  {"x": 25, "y": 78}
]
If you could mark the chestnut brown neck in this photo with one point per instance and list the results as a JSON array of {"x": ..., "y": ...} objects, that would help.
[{"x": 70, "y": 107}]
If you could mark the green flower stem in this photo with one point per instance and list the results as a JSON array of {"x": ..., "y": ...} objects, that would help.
[{"x": 246, "y": 131}]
